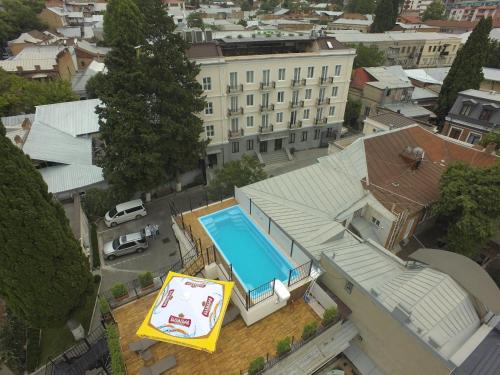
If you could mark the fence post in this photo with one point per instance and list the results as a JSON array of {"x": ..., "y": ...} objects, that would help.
[
  {"x": 190, "y": 205},
  {"x": 247, "y": 300},
  {"x": 289, "y": 276},
  {"x": 274, "y": 283},
  {"x": 206, "y": 197},
  {"x": 250, "y": 206},
  {"x": 269, "y": 226},
  {"x": 291, "y": 248},
  {"x": 215, "y": 254},
  {"x": 310, "y": 267},
  {"x": 231, "y": 275}
]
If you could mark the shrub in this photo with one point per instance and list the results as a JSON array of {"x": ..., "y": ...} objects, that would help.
[
  {"x": 283, "y": 346},
  {"x": 94, "y": 244},
  {"x": 97, "y": 202},
  {"x": 256, "y": 366},
  {"x": 117, "y": 364},
  {"x": 33, "y": 350},
  {"x": 145, "y": 279},
  {"x": 309, "y": 330},
  {"x": 119, "y": 290},
  {"x": 104, "y": 306},
  {"x": 97, "y": 279},
  {"x": 329, "y": 316}
]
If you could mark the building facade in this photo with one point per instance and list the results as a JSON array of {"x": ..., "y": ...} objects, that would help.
[
  {"x": 265, "y": 95},
  {"x": 474, "y": 114},
  {"x": 474, "y": 13}
]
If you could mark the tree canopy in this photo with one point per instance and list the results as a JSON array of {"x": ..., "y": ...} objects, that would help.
[
  {"x": 150, "y": 96},
  {"x": 493, "y": 60},
  {"x": 194, "y": 20},
  {"x": 44, "y": 275},
  {"x": 470, "y": 204},
  {"x": 361, "y": 6},
  {"x": 352, "y": 112},
  {"x": 21, "y": 95},
  {"x": 18, "y": 16},
  {"x": 239, "y": 173},
  {"x": 386, "y": 14},
  {"x": 367, "y": 56},
  {"x": 434, "y": 11},
  {"x": 467, "y": 69}
]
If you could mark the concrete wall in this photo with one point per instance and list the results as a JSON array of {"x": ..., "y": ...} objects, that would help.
[
  {"x": 394, "y": 349},
  {"x": 66, "y": 66}
]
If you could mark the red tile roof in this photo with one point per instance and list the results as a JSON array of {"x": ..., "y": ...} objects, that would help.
[{"x": 395, "y": 181}]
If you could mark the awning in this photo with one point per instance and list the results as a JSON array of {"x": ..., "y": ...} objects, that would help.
[
  {"x": 188, "y": 311},
  {"x": 275, "y": 135}
]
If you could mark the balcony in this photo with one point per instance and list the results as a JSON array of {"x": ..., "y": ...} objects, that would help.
[
  {"x": 267, "y": 108},
  {"x": 266, "y": 129},
  {"x": 323, "y": 101},
  {"x": 296, "y": 104},
  {"x": 267, "y": 85},
  {"x": 234, "y": 89},
  {"x": 234, "y": 111},
  {"x": 325, "y": 80},
  {"x": 320, "y": 121},
  {"x": 295, "y": 125},
  {"x": 298, "y": 82},
  {"x": 232, "y": 134}
]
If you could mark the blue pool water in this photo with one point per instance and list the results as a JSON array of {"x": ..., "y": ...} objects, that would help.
[{"x": 254, "y": 258}]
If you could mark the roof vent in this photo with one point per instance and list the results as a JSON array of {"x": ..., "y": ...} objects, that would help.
[
  {"x": 333, "y": 255},
  {"x": 401, "y": 314},
  {"x": 395, "y": 184},
  {"x": 433, "y": 343},
  {"x": 374, "y": 292}
]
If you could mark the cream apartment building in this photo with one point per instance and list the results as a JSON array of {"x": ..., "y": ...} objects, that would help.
[{"x": 276, "y": 94}]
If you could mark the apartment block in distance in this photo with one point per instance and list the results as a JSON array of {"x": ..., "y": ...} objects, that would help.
[{"x": 271, "y": 94}]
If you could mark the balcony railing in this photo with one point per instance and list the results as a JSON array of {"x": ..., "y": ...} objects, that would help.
[
  {"x": 236, "y": 133},
  {"x": 266, "y": 108},
  {"x": 298, "y": 82},
  {"x": 320, "y": 121},
  {"x": 296, "y": 103},
  {"x": 234, "y": 111},
  {"x": 267, "y": 85},
  {"x": 295, "y": 125},
  {"x": 323, "y": 101},
  {"x": 266, "y": 129},
  {"x": 325, "y": 80},
  {"x": 234, "y": 89}
]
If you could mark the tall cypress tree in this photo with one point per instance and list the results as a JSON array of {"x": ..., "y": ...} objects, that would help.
[
  {"x": 44, "y": 275},
  {"x": 385, "y": 16},
  {"x": 467, "y": 69}
]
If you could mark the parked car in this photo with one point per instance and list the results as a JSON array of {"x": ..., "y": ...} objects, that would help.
[
  {"x": 124, "y": 212},
  {"x": 130, "y": 243}
]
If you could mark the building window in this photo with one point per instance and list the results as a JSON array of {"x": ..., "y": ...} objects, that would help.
[
  {"x": 473, "y": 138},
  {"x": 233, "y": 79},
  {"x": 304, "y": 136},
  {"x": 310, "y": 72},
  {"x": 249, "y": 121},
  {"x": 367, "y": 111},
  {"x": 348, "y": 287},
  {"x": 486, "y": 114},
  {"x": 434, "y": 49},
  {"x": 266, "y": 77},
  {"x": 281, "y": 96},
  {"x": 209, "y": 130},
  {"x": 324, "y": 72},
  {"x": 316, "y": 133},
  {"x": 281, "y": 74},
  {"x": 306, "y": 114},
  {"x": 430, "y": 48},
  {"x": 250, "y": 78},
  {"x": 249, "y": 144},
  {"x": 250, "y": 100},
  {"x": 338, "y": 69},
  {"x": 279, "y": 117},
  {"x": 292, "y": 138},
  {"x": 335, "y": 90},
  {"x": 207, "y": 83},
  {"x": 376, "y": 221},
  {"x": 209, "y": 108},
  {"x": 331, "y": 112},
  {"x": 465, "y": 110},
  {"x": 455, "y": 133},
  {"x": 403, "y": 50},
  {"x": 308, "y": 94},
  {"x": 296, "y": 74},
  {"x": 235, "y": 147}
]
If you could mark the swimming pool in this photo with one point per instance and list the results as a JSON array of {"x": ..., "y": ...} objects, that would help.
[{"x": 254, "y": 258}]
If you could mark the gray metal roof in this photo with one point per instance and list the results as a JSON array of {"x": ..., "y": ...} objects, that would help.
[
  {"x": 74, "y": 118},
  {"x": 64, "y": 178}
]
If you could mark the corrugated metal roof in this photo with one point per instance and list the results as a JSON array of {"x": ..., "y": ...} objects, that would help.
[
  {"x": 49, "y": 144},
  {"x": 64, "y": 178},
  {"x": 74, "y": 118}
]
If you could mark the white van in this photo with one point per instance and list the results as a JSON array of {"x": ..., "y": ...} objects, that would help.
[{"x": 124, "y": 212}]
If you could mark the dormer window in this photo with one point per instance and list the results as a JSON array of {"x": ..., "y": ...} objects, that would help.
[
  {"x": 486, "y": 114},
  {"x": 466, "y": 108}
]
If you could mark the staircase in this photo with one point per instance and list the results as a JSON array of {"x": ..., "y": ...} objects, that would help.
[{"x": 274, "y": 157}]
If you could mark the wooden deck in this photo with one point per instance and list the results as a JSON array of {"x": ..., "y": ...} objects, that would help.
[{"x": 237, "y": 345}]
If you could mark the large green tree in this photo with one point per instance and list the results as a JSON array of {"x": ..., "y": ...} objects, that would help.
[
  {"x": 352, "y": 113},
  {"x": 361, "y": 6},
  {"x": 467, "y": 69},
  {"x": 239, "y": 173},
  {"x": 195, "y": 20},
  {"x": 367, "y": 56},
  {"x": 434, "y": 11},
  {"x": 493, "y": 60},
  {"x": 385, "y": 16},
  {"x": 470, "y": 205},
  {"x": 20, "y": 95},
  {"x": 44, "y": 275},
  {"x": 18, "y": 16}
]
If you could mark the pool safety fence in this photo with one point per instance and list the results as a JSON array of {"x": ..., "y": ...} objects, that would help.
[{"x": 299, "y": 273}]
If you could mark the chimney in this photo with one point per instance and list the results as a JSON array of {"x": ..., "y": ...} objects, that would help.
[
  {"x": 26, "y": 125},
  {"x": 490, "y": 148},
  {"x": 19, "y": 68},
  {"x": 38, "y": 68}
]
